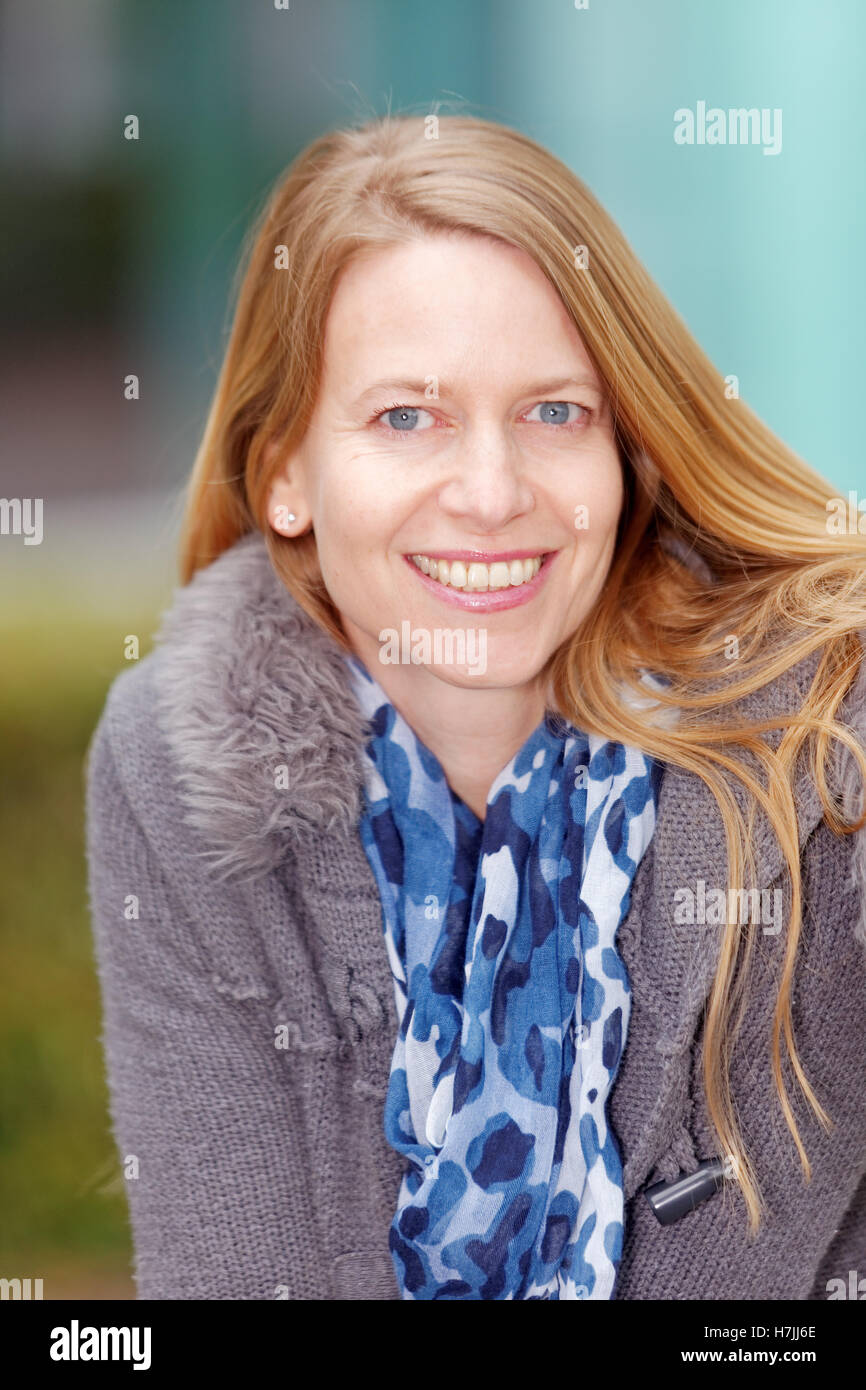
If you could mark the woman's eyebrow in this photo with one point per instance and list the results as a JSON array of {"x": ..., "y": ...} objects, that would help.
[{"x": 419, "y": 388}]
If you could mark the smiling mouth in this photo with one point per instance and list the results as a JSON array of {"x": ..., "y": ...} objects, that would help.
[{"x": 476, "y": 577}]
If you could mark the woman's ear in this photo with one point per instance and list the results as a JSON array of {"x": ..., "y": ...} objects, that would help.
[{"x": 287, "y": 511}]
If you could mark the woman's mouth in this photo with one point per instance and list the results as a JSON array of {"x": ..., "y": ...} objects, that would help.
[{"x": 483, "y": 585}]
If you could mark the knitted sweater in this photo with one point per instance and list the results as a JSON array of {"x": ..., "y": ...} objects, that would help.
[{"x": 248, "y": 1008}]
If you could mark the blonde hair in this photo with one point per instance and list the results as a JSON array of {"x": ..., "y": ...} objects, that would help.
[{"x": 698, "y": 468}]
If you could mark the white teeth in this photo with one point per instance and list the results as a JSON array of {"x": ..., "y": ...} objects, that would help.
[{"x": 478, "y": 577}]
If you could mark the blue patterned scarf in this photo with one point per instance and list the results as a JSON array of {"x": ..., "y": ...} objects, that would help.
[{"x": 513, "y": 1004}]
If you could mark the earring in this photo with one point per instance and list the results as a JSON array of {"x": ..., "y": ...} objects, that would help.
[
  {"x": 291, "y": 517},
  {"x": 282, "y": 519}
]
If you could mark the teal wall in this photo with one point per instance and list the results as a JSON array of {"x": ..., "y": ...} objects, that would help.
[{"x": 761, "y": 254}]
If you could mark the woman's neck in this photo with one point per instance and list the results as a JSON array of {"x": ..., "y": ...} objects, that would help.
[{"x": 473, "y": 733}]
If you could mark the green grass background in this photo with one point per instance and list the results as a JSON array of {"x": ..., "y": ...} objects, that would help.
[{"x": 63, "y": 1215}]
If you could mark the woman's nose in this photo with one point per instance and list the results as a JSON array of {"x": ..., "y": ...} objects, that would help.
[{"x": 488, "y": 484}]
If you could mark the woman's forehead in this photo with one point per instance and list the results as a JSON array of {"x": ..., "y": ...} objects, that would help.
[{"x": 453, "y": 308}]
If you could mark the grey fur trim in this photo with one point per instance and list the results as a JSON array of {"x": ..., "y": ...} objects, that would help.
[{"x": 235, "y": 703}]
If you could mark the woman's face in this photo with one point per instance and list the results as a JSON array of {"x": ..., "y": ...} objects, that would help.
[{"x": 460, "y": 420}]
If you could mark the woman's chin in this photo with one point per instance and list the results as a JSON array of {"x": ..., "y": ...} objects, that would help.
[{"x": 482, "y": 670}]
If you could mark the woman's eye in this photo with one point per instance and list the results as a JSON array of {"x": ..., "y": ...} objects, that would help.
[
  {"x": 404, "y": 417},
  {"x": 410, "y": 419},
  {"x": 557, "y": 412}
]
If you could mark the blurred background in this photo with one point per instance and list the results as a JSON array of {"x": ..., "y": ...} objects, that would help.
[{"x": 117, "y": 257}]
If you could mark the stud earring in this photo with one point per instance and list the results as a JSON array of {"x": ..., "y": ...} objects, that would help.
[{"x": 291, "y": 517}]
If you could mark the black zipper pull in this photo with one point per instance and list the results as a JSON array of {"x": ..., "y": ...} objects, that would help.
[{"x": 672, "y": 1200}]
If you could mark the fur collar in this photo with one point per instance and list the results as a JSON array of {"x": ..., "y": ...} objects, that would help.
[{"x": 249, "y": 682}]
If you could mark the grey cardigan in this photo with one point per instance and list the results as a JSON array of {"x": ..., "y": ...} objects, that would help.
[{"x": 248, "y": 1009}]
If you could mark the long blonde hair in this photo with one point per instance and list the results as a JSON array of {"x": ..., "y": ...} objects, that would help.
[{"x": 699, "y": 467}]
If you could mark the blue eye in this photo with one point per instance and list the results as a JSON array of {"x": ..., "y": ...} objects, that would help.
[
  {"x": 407, "y": 419},
  {"x": 403, "y": 417},
  {"x": 557, "y": 412}
]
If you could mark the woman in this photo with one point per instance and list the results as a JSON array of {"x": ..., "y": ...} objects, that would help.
[{"x": 477, "y": 863}]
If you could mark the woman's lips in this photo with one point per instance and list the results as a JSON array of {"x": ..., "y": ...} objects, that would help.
[
  {"x": 487, "y": 557},
  {"x": 494, "y": 600}
]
